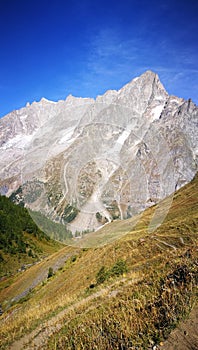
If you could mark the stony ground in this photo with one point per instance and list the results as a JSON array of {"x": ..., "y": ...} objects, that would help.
[{"x": 185, "y": 336}]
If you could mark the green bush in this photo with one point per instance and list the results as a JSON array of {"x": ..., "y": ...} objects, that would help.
[
  {"x": 98, "y": 217},
  {"x": 73, "y": 258},
  {"x": 118, "y": 269},
  {"x": 50, "y": 272},
  {"x": 1, "y": 258},
  {"x": 102, "y": 275}
]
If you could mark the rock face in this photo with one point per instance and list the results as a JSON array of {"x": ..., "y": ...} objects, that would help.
[{"x": 85, "y": 162}]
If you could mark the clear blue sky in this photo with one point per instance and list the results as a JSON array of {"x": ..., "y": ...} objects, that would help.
[{"x": 51, "y": 48}]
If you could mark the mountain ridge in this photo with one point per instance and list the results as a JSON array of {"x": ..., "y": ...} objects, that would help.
[{"x": 90, "y": 154}]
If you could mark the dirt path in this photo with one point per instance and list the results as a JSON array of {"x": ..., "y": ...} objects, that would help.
[
  {"x": 38, "y": 338},
  {"x": 34, "y": 275},
  {"x": 185, "y": 336},
  {"x": 42, "y": 275}
]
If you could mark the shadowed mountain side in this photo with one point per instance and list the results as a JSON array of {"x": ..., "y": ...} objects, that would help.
[{"x": 22, "y": 243}]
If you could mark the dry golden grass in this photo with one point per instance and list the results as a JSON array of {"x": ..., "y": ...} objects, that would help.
[{"x": 124, "y": 310}]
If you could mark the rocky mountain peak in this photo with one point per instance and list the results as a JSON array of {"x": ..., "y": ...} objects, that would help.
[
  {"x": 74, "y": 101},
  {"x": 142, "y": 91},
  {"x": 115, "y": 155}
]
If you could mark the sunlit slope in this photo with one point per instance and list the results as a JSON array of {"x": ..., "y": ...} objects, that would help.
[
  {"x": 138, "y": 304},
  {"x": 183, "y": 211}
]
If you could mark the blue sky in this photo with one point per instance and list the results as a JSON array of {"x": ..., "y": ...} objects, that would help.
[{"x": 53, "y": 48}]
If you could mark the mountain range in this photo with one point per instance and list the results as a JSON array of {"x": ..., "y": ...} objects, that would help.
[
  {"x": 115, "y": 174},
  {"x": 84, "y": 162}
]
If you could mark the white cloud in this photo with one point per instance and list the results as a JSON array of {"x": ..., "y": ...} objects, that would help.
[{"x": 110, "y": 60}]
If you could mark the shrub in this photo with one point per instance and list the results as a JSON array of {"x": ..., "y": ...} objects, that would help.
[
  {"x": 98, "y": 217},
  {"x": 30, "y": 253},
  {"x": 102, "y": 275},
  {"x": 73, "y": 258},
  {"x": 50, "y": 272},
  {"x": 119, "y": 268}
]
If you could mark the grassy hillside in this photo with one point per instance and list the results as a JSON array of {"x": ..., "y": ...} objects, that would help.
[
  {"x": 21, "y": 241},
  {"x": 129, "y": 294}
]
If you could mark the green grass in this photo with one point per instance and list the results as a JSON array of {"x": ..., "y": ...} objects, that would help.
[{"x": 21, "y": 241}]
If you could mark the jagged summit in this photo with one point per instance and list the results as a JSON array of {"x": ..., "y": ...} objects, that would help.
[
  {"x": 148, "y": 77},
  {"x": 45, "y": 100},
  {"x": 114, "y": 156}
]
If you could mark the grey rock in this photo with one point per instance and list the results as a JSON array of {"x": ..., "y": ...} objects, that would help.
[{"x": 115, "y": 155}]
